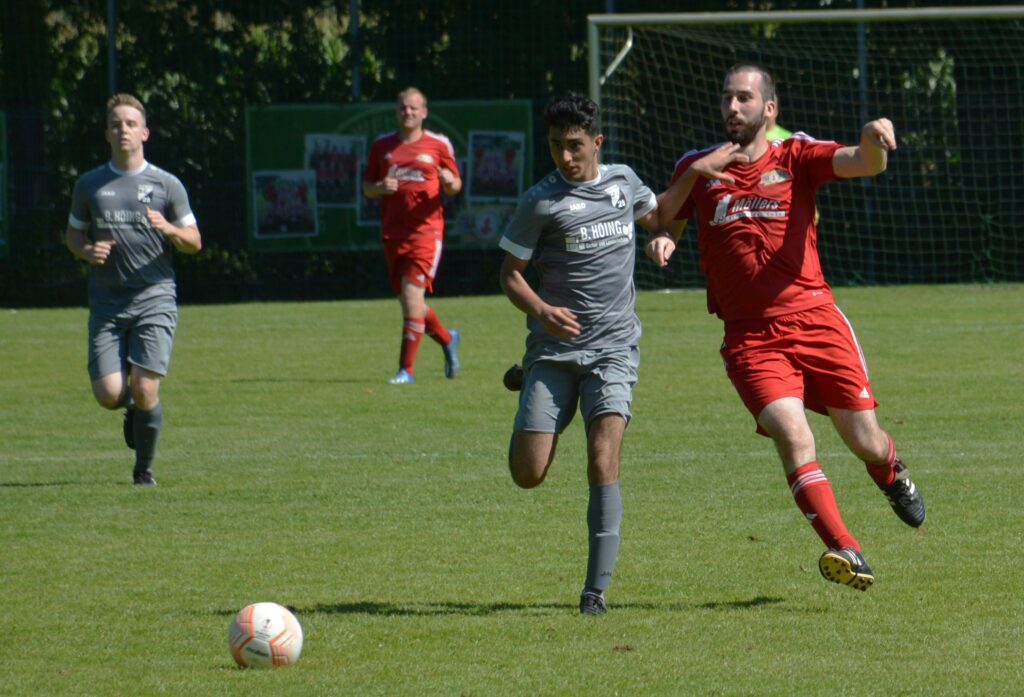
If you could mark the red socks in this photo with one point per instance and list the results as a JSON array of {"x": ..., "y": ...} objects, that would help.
[
  {"x": 412, "y": 332},
  {"x": 436, "y": 329},
  {"x": 813, "y": 495},
  {"x": 413, "y": 329},
  {"x": 883, "y": 473}
]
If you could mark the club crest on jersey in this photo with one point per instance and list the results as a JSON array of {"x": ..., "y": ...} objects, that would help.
[
  {"x": 425, "y": 157},
  {"x": 776, "y": 176},
  {"x": 145, "y": 193},
  {"x": 618, "y": 200}
]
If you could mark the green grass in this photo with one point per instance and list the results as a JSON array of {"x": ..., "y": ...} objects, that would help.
[{"x": 289, "y": 471}]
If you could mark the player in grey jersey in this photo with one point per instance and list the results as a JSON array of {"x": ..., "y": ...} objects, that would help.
[
  {"x": 126, "y": 218},
  {"x": 577, "y": 226}
]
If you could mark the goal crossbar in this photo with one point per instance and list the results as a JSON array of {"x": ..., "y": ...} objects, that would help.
[{"x": 649, "y": 19}]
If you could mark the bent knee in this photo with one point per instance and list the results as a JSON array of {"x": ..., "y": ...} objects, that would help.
[
  {"x": 109, "y": 391},
  {"x": 529, "y": 457},
  {"x": 870, "y": 450},
  {"x": 109, "y": 402},
  {"x": 145, "y": 400},
  {"x": 146, "y": 393},
  {"x": 528, "y": 481},
  {"x": 108, "y": 396},
  {"x": 794, "y": 440},
  {"x": 526, "y": 477}
]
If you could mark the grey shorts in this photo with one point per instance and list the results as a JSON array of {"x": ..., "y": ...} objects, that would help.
[
  {"x": 600, "y": 382},
  {"x": 141, "y": 333}
]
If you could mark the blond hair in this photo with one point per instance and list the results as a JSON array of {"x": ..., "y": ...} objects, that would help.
[
  {"x": 409, "y": 91},
  {"x": 123, "y": 99}
]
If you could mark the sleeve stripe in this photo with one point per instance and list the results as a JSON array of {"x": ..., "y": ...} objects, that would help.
[
  {"x": 518, "y": 251},
  {"x": 188, "y": 220},
  {"x": 444, "y": 139},
  {"x": 652, "y": 203},
  {"x": 77, "y": 224}
]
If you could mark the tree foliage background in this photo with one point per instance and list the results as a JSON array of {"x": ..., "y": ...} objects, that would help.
[{"x": 197, "y": 65}]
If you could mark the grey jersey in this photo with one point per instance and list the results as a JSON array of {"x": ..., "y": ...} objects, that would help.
[
  {"x": 111, "y": 205},
  {"x": 580, "y": 237}
]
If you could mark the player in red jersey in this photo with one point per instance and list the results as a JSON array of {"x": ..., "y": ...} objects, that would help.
[
  {"x": 407, "y": 169},
  {"x": 787, "y": 346}
]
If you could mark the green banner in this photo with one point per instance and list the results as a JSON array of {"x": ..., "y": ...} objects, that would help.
[
  {"x": 305, "y": 166},
  {"x": 5, "y": 246}
]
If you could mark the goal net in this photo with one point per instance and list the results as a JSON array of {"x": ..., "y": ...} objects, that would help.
[{"x": 946, "y": 210}]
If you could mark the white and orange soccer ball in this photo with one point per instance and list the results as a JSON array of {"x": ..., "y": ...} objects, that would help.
[{"x": 265, "y": 635}]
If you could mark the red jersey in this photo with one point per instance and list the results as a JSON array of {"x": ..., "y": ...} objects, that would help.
[
  {"x": 757, "y": 238},
  {"x": 416, "y": 209}
]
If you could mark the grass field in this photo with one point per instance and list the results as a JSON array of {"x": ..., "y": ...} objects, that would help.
[{"x": 289, "y": 471}]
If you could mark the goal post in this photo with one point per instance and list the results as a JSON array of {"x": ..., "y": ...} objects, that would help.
[{"x": 949, "y": 79}]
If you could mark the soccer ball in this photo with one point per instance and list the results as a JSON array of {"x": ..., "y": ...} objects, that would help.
[{"x": 265, "y": 635}]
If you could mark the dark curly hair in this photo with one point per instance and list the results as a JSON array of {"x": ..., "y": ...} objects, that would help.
[{"x": 571, "y": 111}]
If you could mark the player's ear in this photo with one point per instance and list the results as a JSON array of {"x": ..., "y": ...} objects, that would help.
[
  {"x": 145, "y": 134},
  {"x": 598, "y": 139}
]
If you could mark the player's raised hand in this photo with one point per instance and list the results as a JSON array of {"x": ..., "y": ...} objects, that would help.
[
  {"x": 660, "y": 248},
  {"x": 714, "y": 164},
  {"x": 98, "y": 252},
  {"x": 446, "y": 176},
  {"x": 560, "y": 322},
  {"x": 711, "y": 166},
  {"x": 880, "y": 133}
]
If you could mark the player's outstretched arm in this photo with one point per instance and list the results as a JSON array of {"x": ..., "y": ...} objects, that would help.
[
  {"x": 871, "y": 156},
  {"x": 557, "y": 321},
  {"x": 711, "y": 166}
]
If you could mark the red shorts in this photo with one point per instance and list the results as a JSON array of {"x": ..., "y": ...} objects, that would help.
[
  {"x": 812, "y": 355},
  {"x": 414, "y": 259}
]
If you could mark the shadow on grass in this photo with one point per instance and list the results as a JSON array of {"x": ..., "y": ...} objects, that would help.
[
  {"x": 741, "y": 604},
  {"x": 303, "y": 381},
  {"x": 423, "y": 609},
  {"x": 433, "y": 608},
  {"x": 34, "y": 485},
  {"x": 436, "y": 609}
]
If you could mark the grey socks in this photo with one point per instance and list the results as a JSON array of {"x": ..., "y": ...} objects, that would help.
[
  {"x": 147, "y": 431},
  {"x": 604, "y": 515}
]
